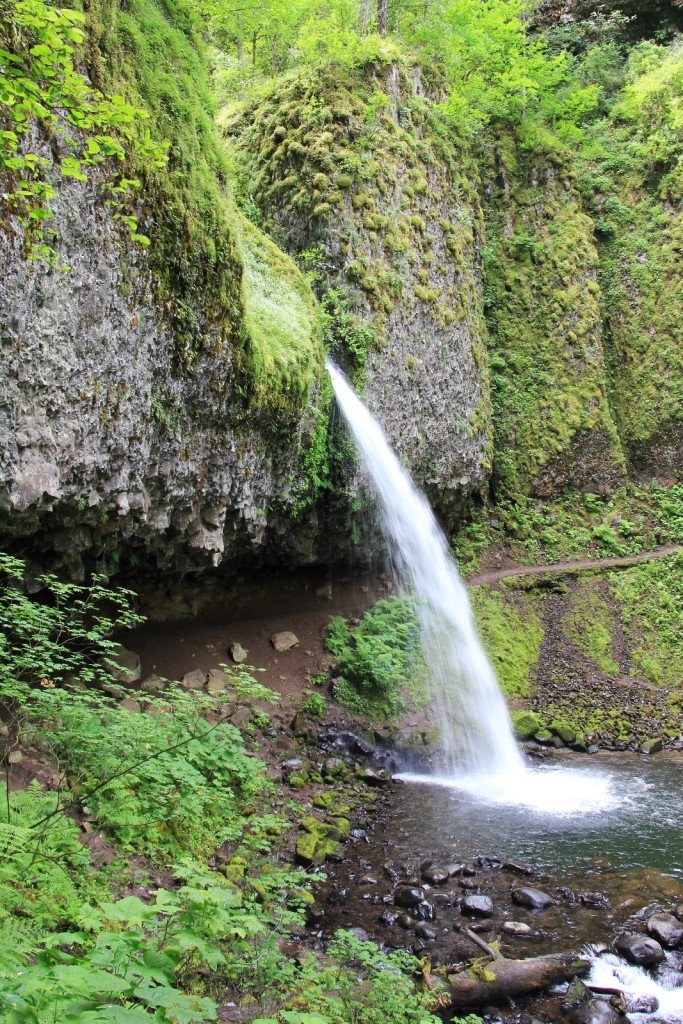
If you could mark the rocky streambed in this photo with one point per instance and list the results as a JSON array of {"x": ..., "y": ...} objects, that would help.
[{"x": 456, "y": 876}]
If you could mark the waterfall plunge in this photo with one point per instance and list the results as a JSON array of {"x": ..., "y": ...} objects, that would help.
[{"x": 476, "y": 731}]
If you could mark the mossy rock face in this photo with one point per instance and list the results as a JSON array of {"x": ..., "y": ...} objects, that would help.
[
  {"x": 635, "y": 199},
  {"x": 554, "y": 427},
  {"x": 525, "y": 724},
  {"x": 392, "y": 229}
]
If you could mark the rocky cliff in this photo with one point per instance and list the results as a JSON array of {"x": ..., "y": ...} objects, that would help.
[{"x": 355, "y": 172}]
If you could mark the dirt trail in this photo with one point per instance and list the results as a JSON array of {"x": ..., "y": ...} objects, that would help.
[{"x": 560, "y": 568}]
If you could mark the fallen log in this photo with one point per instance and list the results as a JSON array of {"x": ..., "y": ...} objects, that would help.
[{"x": 488, "y": 983}]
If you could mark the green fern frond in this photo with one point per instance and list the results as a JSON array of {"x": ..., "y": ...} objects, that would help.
[{"x": 17, "y": 944}]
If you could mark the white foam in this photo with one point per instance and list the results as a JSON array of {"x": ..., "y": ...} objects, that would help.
[
  {"x": 557, "y": 791},
  {"x": 609, "y": 971}
]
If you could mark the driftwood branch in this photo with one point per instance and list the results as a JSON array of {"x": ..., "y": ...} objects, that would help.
[
  {"x": 482, "y": 945},
  {"x": 503, "y": 978}
]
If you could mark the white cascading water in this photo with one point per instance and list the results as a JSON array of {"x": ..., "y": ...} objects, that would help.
[{"x": 476, "y": 730}]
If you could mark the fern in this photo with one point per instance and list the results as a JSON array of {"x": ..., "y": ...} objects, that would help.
[{"x": 17, "y": 945}]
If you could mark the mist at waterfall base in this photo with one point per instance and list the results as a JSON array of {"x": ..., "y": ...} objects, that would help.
[{"x": 480, "y": 754}]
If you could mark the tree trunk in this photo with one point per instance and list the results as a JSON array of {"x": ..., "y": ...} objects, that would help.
[
  {"x": 513, "y": 978},
  {"x": 382, "y": 16}
]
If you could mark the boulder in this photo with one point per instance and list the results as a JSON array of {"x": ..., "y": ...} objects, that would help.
[
  {"x": 651, "y": 747},
  {"x": 525, "y": 723},
  {"x": 216, "y": 681},
  {"x": 597, "y": 1011},
  {"x": 666, "y": 929},
  {"x": 516, "y": 928},
  {"x": 639, "y": 949},
  {"x": 477, "y": 906},
  {"x": 153, "y": 684},
  {"x": 284, "y": 641},
  {"x": 435, "y": 875},
  {"x": 532, "y": 899},
  {"x": 408, "y": 896},
  {"x": 238, "y": 653},
  {"x": 130, "y": 705},
  {"x": 123, "y": 665},
  {"x": 194, "y": 680}
]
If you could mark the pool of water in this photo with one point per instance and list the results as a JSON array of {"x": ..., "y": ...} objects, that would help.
[{"x": 559, "y": 816}]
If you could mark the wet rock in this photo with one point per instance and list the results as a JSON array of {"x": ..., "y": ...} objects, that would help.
[
  {"x": 477, "y": 906},
  {"x": 666, "y": 929},
  {"x": 367, "y": 880},
  {"x": 597, "y": 1011},
  {"x": 532, "y": 899},
  {"x": 374, "y": 776},
  {"x": 389, "y": 918},
  {"x": 238, "y": 653},
  {"x": 123, "y": 665},
  {"x": 408, "y": 896},
  {"x": 443, "y": 899},
  {"x": 405, "y": 921},
  {"x": 488, "y": 863},
  {"x": 284, "y": 641},
  {"x": 418, "y": 947},
  {"x": 194, "y": 680},
  {"x": 592, "y": 748},
  {"x": 217, "y": 681},
  {"x": 516, "y": 869},
  {"x": 517, "y": 928},
  {"x": 435, "y": 875},
  {"x": 423, "y": 912},
  {"x": 651, "y": 747},
  {"x": 467, "y": 883},
  {"x": 639, "y": 949},
  {"x": 390, "y": 872},
  {"x": 15, "y": 757},
  {"x": 424, "y": 932},
  {"x": 469, "y": 870},
  {"x": 454, "y": 869},
  {"x": 359, "y": 933},
  {"x": 594, "y": 899},
  {"x": 575, "y": 994}
]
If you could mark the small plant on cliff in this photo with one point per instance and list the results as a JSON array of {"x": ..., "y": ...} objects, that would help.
[{"x": 40, "y": 85}]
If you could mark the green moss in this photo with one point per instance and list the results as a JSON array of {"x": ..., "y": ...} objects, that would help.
[
  {"x": 154, "y": 55},
  {"x": 285, "y": 344},
  {"x": 549, "y": 387},
  {"x": 590, "y": 625},
  {"x": 525, "y": 723},
  {"x": 511, "y": 630},
  {"x": 651, "y": 600},
  {"x": 633, "y": 188}
]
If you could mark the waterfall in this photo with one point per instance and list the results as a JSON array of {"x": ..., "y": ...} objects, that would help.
[{"x": 476, "y": 732}]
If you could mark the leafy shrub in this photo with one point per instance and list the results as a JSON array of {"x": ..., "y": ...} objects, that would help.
[
  {"x": 361, "y": 984},
  {"x": 377, "y": 658}
]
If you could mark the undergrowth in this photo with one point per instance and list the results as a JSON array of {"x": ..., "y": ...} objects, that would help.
[
  {"x": 379, "y": 660},
  {"x": 175, "y": 785}
]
